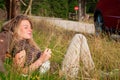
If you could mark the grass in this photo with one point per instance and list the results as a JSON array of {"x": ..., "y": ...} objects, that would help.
[{"x": 105, "y": 53}]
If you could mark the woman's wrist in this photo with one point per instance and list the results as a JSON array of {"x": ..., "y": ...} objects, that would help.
[
  {"x": 35, "y": 65},
  {"x": 38, "y": 62}
]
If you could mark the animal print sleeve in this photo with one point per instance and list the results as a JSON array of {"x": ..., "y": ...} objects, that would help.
[
  {"x": 32, "y": 54},
  {"x": 18, "y": 46}
]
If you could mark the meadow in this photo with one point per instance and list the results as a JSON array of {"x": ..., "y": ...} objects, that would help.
[{"x": 104, "y": 50}]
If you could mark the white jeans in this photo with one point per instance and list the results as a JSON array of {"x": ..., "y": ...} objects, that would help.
[{"x": 77, "y": 51}]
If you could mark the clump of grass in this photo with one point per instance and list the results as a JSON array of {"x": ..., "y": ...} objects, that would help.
[{"x": 106, "y": 55}]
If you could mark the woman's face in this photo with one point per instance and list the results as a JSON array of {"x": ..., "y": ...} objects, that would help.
[{"x": 24, "y": 30}]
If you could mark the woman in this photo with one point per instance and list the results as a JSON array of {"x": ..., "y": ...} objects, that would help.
[{"x": 27, "y": 57}]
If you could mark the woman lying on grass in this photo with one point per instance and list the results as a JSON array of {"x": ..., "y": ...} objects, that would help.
[{"x": 27, "y": 57}]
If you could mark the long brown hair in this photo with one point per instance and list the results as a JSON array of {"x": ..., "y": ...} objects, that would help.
[{"x": 12, "y": 26}]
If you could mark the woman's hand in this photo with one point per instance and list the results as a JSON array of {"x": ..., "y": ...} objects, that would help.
[{"x": 45, "y": 55}]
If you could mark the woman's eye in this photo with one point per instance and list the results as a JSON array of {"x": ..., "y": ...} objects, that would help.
[{"x": 25, "y": 26}]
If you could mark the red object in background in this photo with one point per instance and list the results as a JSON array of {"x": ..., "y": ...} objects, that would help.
[
  {"x": 107, "y": 15},
  {"x": 76, "y": 8}
]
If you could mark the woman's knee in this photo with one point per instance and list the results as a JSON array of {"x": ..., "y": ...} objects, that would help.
[{"x": 80, "y": 36}]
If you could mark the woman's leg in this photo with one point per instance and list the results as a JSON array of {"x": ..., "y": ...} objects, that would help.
[{"x": 77, "y": 50}]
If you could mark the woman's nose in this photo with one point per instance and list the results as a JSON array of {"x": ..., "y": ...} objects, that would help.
[{"x": 30, "y": 30}]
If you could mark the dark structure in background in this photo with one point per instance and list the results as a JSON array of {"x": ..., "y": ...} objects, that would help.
[{"x": 12, "y": 7}]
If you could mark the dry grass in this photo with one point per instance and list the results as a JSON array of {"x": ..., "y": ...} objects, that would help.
[{"x": 105, "y": 51}]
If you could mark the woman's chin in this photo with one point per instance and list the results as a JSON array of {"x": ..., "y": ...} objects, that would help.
[{"x": 29, "y": 37}]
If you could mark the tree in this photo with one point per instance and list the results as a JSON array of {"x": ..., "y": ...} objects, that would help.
[
  {"x": 28, "y": 10},
  {"x": 12, "y": 7},
  {"x": 82, "y": 8}
]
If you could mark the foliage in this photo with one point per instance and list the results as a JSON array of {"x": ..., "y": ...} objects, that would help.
[
  {"x": 54, "y": 8},
  {"x": 60, "y": 8},
  {"x": 2, "y": 4},
  {"x": 50, "y": 8},
  {"x": 41, "y": 8},
  {"x": 72, "y": 4},
  {"x": 90, "y": 7}
]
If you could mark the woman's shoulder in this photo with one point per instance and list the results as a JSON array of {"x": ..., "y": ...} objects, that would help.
[{"x": 18, "y": 46}]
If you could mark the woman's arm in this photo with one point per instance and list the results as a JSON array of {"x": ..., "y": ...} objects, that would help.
[
  {"x": 44, "y": 57},
  {"x": 32, "y": 67},
  {"x": 20, "y": 61}
]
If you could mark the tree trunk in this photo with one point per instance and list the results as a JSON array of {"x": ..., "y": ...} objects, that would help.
[
  {"x": 8, "y": 8},
  {"x": 82, "y": 10},
  {"x": 13, "y": 8}
]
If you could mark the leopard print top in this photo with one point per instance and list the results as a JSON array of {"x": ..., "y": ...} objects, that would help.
[{"x": 31, "y": 52}]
